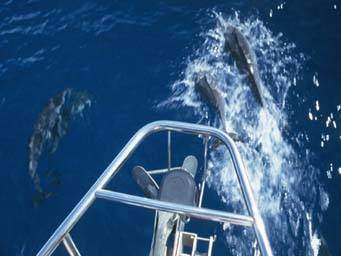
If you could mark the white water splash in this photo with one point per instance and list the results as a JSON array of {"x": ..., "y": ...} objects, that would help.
[
  {"x": 316, "y": 81},
  {"x": 276, "y": 169},
  {"x": 271, "y": 13},
  {"x": 315, "y": 241}
]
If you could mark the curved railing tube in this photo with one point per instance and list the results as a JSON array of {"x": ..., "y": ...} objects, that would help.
[{"x": 65, "y": 227}]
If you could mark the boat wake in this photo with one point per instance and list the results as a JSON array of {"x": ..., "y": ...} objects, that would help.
[{"x": 289, "y": 194}]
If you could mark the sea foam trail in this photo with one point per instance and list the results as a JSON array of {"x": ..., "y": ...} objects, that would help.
[{"x": 286, "y": 186}]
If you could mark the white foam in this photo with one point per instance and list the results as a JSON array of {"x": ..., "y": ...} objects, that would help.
[
  {"x": 281, "y": 6},
  {"x": 310, "y": 115},
  {"x": 317, "y": 105},
  {"x": 328, "y": 121},
  {"x": 334, "y": 124},
  {"x": 314, "y": 240},
  {"x": 316, "y": 81}
]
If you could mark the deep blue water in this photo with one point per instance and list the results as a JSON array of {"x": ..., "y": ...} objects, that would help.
[{"x": 126, "y": 55}]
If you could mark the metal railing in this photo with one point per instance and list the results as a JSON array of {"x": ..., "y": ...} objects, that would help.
[{"x": 62, "y": 233}]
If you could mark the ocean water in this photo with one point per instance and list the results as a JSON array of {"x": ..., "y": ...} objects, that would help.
[{"x": 79, "y": 78}]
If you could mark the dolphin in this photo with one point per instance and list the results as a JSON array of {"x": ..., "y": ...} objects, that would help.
[
  {"x": 51, "y": 126},
  {"x": 214, "y": 97},
  {"x": 46, "y": 131},
  {"x": 240, "y": 49}
]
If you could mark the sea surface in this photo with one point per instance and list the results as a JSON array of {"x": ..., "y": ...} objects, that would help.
[{"x": 78, "y": 79}]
